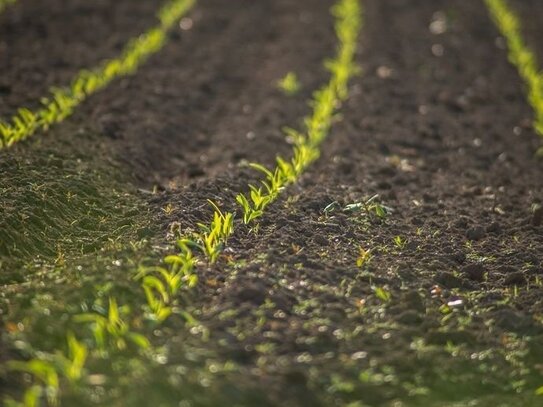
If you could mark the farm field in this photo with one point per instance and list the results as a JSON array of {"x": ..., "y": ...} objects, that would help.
[{"x": 274, "y": 203}]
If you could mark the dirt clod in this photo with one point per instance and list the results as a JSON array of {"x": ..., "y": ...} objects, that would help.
[
  {"x": 475, "y": 233},
  {"x": 474, "y": 271}
]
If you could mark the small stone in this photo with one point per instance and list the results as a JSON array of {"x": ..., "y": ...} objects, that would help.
[
  {"x": 458, "y": 257},
  {"x": 494, "y": 227},
  {"x": 474, "y": 271},
  {"x": 254, "y": 293},
  {"x": 449, "y": 280},
  {"x": 516, "y": 278},
  {"x": 321, "y": 240},
  {"x": 475, "y": 233},
  {"x": 409, "y": 317}
]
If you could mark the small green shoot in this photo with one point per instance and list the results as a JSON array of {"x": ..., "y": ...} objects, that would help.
[
  {"x": 289, "y": 84},
  {"x": 372, "y": 207},
  {"x": 400, "y": 242},
  {"x": 383, "y": 294},
  {"x": 364, "y": 257},
  {"x": 47, "y": 371},
  {"x": 214, "y": 236},
  {"x": 112, "y": 330}
]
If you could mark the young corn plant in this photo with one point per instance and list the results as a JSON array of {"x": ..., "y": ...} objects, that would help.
[
  {"x": 47, "y": 372},
  {"x": 364, "y": 257},
  {"x": 111, "y": 331},
  {"x": 63, "y": 101},
  {"x": 371, "y": 207},
  {"x": 521, "y": 56},
  {"x": 212, "y": 238},
  {"x": 161, "y": 284}
]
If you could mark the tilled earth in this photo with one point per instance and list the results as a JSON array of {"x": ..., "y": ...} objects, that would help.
[{"x": 447, "y": 310}]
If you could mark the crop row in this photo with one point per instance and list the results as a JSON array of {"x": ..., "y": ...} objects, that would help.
[
  {"x": 112, "y": 331},
  {"x": 62, "y": 101},
  {"x": 521, "y": 56}
]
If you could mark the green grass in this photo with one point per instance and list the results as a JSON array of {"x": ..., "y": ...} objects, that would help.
[
  {"x": 520, "y": 55},
  {"x": 63, "y": 101}
]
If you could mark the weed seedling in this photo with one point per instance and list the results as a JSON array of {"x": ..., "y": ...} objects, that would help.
[
  {"x": 289, "y": 84},
  {"x": 111, "y": 330},
  {"x": 383, "y": 294}
]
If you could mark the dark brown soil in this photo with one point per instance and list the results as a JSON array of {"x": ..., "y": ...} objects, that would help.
[
  {"x": 437, "y": 125},
  {"x": 44, "y": 44}
]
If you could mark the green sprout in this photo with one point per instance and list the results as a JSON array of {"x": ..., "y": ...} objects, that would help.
[
  {"x": 364, "y": 257},
  {"x": 111, "y": 330},
  {"x": 47, "y": 371},
  {"x": 214, "y": 236},
  {"x": 383, "y": 294},
  {"x": 63, "y": 101},
  {"x": 289, "y": 84},
  {"x": 400, "y": 242},
  {"x": 371, "y": 207}
]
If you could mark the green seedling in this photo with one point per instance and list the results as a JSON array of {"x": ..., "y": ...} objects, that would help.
[
  {"x": 63, "y": 101},
  {"x": 289, "y": 84},
  {"x": 111, "y": 330},
  {"x": 161, "y": 284},
  {"x": 383, "y": 294},
  {"x": 522, "y": 57},
  {"x": 47, "y": 372},
  {"x": 364, "y": 257},
  {"x": 45, "y": 375},
  {"x": 400, "y": 242}
]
